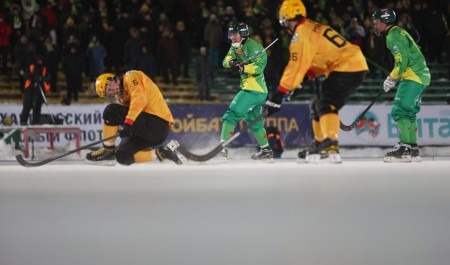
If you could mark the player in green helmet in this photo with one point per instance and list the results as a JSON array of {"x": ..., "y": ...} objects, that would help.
[
  {"x": 247, "y": 58},
  {"x": 412, "y": 76}
]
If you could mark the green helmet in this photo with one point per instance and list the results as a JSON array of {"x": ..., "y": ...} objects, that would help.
[
  {"x": 240, "y": 28},
  {"x": 385, "y": 15}
]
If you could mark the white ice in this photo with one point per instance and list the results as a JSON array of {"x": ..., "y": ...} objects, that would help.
[{"x": 362, "y": 211}]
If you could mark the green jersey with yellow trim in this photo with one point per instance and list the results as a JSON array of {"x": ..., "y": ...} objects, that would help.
[
  {"x": 410, "y": 63},
  {"x": 252, "y": 76}
]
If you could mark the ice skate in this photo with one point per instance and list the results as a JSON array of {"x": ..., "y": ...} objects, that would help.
[
  {"x": 166, "y": 152},
  {"x": 327, "y": 152},
  {"x": 265, "y": 154},
  {"x": 173, "y": 145},
  {"x": 415, "y": 153},
  {"x": 105, "y": 155},
  {"x": 312, "y": 149},
  {"x": 400, "y": 153}
]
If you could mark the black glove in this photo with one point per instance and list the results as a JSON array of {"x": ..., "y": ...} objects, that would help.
[
  {"x": 234, "y": 65},
  {"x": 126, "y": 131},
  {"x": 274, "y": 103}
]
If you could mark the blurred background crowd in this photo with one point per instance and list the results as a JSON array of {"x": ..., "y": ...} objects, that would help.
[{"x": 84, "y": 38}]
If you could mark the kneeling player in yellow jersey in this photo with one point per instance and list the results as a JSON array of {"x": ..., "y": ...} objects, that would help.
[
  {"x": 316, "y": 49},
  {"x": 143, "y": 115}
]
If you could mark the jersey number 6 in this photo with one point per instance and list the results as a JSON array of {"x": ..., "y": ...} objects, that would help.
[{"x": 334, "y": 37}]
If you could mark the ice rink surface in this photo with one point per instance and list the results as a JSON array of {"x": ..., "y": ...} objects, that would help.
[{"x": 362, "y": 212}]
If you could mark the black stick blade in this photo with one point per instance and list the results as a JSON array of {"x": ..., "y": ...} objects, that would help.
[
  {"x": 202, "y": 158},
  {"x": 345, "y": 127},
  {"x": 25, "y": 163},
  {"x": 199, "y": 158},
  {"x": 350, "y": 127},
  {"x": 361, "y": 116}
]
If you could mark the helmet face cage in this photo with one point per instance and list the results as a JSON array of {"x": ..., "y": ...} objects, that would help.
[
  {"x": 240, "y": 28},
  {"x": 291, "y": 9},
  {"x": 282, "y": 21},
  {"x": 102, "y": 81},
  {"x": 243, "y": 30}
]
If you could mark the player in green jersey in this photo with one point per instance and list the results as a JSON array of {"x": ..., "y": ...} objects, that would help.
[
  {"x": 412, "y": 76},
  {"x": 246, "y": 57}
]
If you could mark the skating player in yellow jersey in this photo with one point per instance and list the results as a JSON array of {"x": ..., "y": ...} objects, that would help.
[
  {"x": 316, "y": 49},
  {"x": 143, "y": 116}
]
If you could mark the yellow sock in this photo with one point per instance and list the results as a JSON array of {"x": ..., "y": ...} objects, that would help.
[
  {"x": 109, "y": 131},
  {"x": 330, "y": 125},
  {"x": 144, "y": 156},
  {"x": 318, "y": 135}
]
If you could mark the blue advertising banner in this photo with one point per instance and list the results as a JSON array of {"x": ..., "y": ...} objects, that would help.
[
  {"x": 200, "y": 126},
  {"x": 196, "y": 126}
]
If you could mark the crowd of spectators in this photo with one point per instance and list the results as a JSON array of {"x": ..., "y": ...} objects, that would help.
[{"x": 161, "y": 37}]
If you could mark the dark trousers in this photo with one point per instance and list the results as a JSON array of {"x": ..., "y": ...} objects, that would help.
[
  {"x": 335, "y": 91},
  {"x": 203, "y": 88},
  {"x": 149, "y": 131},
  {"x": 32, "y": 99},
  {"x": 173, "y": 70},
  {"x": 74, "y": 85}
]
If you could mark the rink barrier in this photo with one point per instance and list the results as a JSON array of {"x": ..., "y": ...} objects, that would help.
[{"x": 50, "y": 130}]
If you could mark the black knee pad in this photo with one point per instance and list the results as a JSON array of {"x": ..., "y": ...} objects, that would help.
[
  {"x": 124, "y": 158},
  {"x": 313, "y": 109},
  {"x": 324, "y": 107},
  {"x": 108, "y": 111}
]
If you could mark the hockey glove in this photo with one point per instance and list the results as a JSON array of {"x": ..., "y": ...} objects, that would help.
[
  {"x": 274, "y": 104},
  {"x": 126, "y": 131},
  {"x": 389, "y": 83},
  {"x": 234, "y": 65}
]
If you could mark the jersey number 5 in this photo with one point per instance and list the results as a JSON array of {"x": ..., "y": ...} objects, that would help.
[{"x": 334, "y": 38}]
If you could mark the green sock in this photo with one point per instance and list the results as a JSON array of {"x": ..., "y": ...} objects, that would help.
[
  {"x": 413, "y": 132},
  {"x": 404, "y": 127},
  {"x": 227, "y": 131},
  {"x": 260, "y": 136}
]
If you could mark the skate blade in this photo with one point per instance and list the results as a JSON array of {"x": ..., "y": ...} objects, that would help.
[
  {"x": 181, "y": 157},
  {"x": 265, "y": 160},
  {"x": 402, "y": 159},
  {"x": 173, "y": 145},
  {"x": 318, "y": 159},
  {"x": 110, "y": 163}
]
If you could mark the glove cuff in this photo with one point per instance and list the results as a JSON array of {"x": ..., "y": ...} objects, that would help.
[
  {"x": 310, "y": 75},
  {"x": 391, "y": 79},
  {"x": 283, "y": 90},
  {"x": 129, "y": 122}
]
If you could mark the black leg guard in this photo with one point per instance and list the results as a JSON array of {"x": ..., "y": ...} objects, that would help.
[
  {"x": 124, "y": 158},
  {"x": 114, "y": 114},
  {"x": 314, "y": 109},
  {"x": 325, "y": 107}
]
